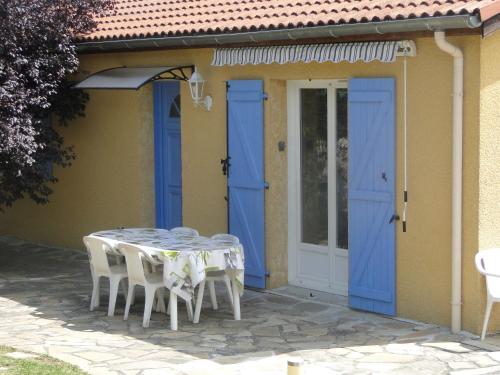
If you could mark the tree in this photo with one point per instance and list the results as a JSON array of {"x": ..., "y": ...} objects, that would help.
[{"x": 37, "y": 55}]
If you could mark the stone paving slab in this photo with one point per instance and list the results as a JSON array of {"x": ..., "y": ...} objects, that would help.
[{"x": 45, "y": 294}]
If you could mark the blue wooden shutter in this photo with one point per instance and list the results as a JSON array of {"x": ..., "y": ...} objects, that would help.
[
  {"x": 372, "y": 152},
  {"x": 168, "y": 171},
  {"x": 246, "y": 174}
]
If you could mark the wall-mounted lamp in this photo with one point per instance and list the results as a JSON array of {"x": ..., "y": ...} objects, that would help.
[{"x": 196, "y": 83}]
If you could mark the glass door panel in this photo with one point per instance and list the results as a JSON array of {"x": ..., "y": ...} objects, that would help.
[
  {"x": 314, "y": 165},
  {"x": 342, "y": 147}
]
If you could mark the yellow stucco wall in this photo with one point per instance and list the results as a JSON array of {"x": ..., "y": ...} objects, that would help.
[
  {"x": 111, "y": 182},
  {"x": 489, "y": 166},
  {"x": 106, "y": 186}
]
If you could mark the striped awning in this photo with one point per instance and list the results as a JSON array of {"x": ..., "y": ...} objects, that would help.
[{"x": 385, "y": 51}]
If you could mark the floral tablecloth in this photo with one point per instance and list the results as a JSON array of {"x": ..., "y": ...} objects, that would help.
[{"x": 186, "y": 259}]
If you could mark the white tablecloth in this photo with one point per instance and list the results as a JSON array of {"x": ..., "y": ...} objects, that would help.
[{"x": 186, "y": 259}]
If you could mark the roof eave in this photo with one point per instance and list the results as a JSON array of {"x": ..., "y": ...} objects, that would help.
[
  {"x": 489, "y": 11},
  {"x": 441, "y": 23}
]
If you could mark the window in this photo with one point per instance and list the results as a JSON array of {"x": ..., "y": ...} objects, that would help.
[{"x": 175, "y": 107}]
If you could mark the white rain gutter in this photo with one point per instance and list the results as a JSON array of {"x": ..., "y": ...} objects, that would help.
[
  {"x": 456, "y": 205},
  {"x": 463, "y": 21}
]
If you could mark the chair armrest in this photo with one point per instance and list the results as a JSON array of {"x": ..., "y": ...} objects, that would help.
[
  {"x": 482, "y": 270},
  {"x": 479, "y": 264},
  {"x": 149, "y": 258},
  {"x": 491, "y": 274}
]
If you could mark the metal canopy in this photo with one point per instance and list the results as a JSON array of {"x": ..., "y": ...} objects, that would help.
[{"x": 126, "y": 78}]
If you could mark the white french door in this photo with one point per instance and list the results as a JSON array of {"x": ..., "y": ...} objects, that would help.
[{"x": 317, "y": 185}]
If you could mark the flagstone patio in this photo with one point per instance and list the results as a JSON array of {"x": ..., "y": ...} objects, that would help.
[{"x": 44, "y": 299}]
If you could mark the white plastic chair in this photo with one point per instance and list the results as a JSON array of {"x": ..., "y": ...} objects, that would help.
[
  {"x": 224, "y": 239},
  {"x": 212, "y": 277},
  {"x": 488, "y": 264},
  {"x": 151, "y": 282},
  {"x": 185, "y": 231},
  {"x": 99, "y": 267}
]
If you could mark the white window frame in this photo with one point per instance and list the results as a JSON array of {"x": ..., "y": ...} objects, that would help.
[{"x": 294, "y": 197}]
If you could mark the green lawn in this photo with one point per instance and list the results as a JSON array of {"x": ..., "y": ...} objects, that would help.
[{"x": 41, "y": 365}]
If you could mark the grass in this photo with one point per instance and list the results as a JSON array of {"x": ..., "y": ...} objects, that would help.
[{"x": 41, "y": 365}]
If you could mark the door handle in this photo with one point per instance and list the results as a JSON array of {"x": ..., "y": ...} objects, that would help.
[{"x": 225, "y": 166}]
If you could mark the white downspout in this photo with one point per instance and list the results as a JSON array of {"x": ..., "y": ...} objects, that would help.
[{"x": 456, "y": 208}]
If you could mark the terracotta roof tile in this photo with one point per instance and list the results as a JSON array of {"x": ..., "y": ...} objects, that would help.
[{"x": 145, "y": 18}]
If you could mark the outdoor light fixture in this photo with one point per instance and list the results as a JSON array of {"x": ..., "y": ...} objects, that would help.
[{"x": 196, "y": 83}]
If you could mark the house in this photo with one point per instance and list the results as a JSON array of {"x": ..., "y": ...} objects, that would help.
[{"x": 352, "y": 146}]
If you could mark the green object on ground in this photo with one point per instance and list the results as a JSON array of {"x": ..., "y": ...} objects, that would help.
[{"x": 39, "y": 365}]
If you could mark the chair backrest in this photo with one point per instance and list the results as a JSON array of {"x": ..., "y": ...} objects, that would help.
[
  {"x": 185, "y": 231},
  {"x": 488, "y": 262},
  {"x": 97, "y": 250},
  {"x": 133, "y": 259},
  {"x": 226, "y": 239}
]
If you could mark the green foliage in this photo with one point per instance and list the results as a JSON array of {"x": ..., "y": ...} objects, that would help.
[
  {"x": 41, "y": 365},
  {"x": 37, "y": 55}
]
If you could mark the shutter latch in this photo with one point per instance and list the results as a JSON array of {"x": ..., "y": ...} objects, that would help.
[{"x": 394, "y": 218}]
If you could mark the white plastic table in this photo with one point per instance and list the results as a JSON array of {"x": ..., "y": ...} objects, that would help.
[{"x": 185, "y": 259}]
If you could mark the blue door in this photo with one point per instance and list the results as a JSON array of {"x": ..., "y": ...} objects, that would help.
[
  {"x": 167, "y": 139},
  {"x": 372, "y": 148},
  {"x": 246, "y": 184}
]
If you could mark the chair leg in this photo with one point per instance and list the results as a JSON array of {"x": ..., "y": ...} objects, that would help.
[
  {"x": 153, "y": 306},
  {"x": 94, "y": 300},
  {"x": 229, "y": 291},
  {"x": 130, "y": 294},
  {"x": 124, "y": 286},
  {"x": 160, "y": 303},
  {"x": 132, "y": 301},
  {"x": 489, "y": 305},
  {"x": 189, "y": 308},
  {"x": 236, "y": 296},
  {"x": 199, "y": 301},
  {"x": 156, "y": 304},
  {"x": 148, "y": 306},
  {"x": 173, "y": 311},
  {"x": 213, "y": 296},
  {"x": 113, "y": 292}
]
